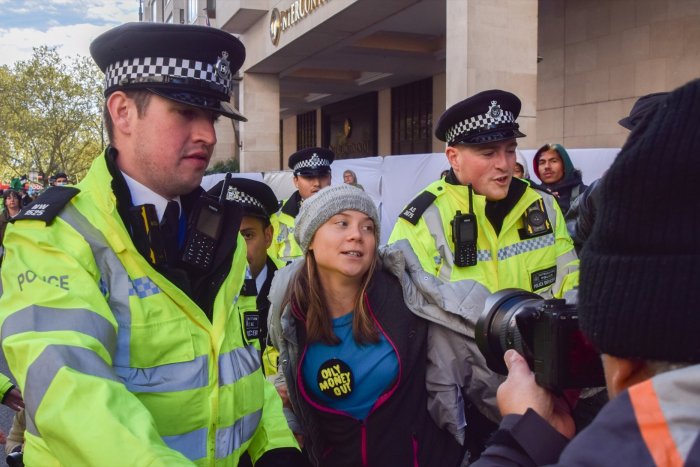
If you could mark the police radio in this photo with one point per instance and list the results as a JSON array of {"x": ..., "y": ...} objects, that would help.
[
  {"x": 204, "y": 230},
  {"x": 464, "y": 235}
]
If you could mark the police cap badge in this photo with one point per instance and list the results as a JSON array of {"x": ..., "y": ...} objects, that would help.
[
  {"x": 311, "y": 161},
  {"x": 486, "y": 117}
]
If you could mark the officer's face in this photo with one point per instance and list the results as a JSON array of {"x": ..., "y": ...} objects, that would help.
[
  {"x": 550, "y": 166},
  {"x": 518, "y": 170},
  {"x": 308, "y": 185},
  {"x": 488, "y": 167},
  {"x": 257, "y": 239},
  {"x": 345, "y": 246},
  {"x": 170, "y": 146}
]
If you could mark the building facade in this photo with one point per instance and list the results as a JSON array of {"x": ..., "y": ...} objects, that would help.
[{"x": 370, "y": 77}]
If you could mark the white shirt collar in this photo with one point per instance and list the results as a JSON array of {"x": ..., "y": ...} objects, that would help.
[
  {"x": 141, "y": 194},
  {"x": 260, "y": 280}
]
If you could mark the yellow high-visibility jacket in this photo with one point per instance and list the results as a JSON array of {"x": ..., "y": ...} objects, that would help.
[
  {"x": 286, "y": 246},
  {"x": 505, "y": 260},
  {"x": 117, "y": 365},
  {"x": 544, "y": 263}
]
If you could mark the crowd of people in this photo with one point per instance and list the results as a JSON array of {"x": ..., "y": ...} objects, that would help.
[{"x": 150, "y": 322}]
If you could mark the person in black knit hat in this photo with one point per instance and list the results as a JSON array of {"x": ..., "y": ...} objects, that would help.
[
  {"x": 582, "y": 214},
  {"x": 637, "y": 306}
]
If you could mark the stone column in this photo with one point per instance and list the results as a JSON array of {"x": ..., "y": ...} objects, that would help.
[
  {"x": 493, "y": 45},
  {"x": 260, "y": 135}
]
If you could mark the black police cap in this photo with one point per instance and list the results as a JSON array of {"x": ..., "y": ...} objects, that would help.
[
  {"x": 256, "y": 198},
  {"x": 190, "y": 64},
  {"x": 311, "y": 161},
  {"x": 486, "y": 117}
]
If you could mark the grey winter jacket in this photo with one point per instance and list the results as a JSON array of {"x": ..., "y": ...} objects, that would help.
[{"x": 456, "y": 368}]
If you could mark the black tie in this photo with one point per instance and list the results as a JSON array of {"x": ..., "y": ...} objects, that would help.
[{"x": 170, "y": 226}]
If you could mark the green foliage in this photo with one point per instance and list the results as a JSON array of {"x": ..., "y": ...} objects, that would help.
[
  {"x": 50, "y": 115},
  {"x": 230, "y": 165}
]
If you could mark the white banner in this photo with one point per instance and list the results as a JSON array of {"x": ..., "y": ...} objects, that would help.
[{"x": 393, "y": 181}]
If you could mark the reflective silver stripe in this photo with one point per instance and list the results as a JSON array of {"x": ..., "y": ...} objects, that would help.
[
  {"x": 286, "y": 237},
  {"x": 114, "y": 282},
  {"x": 172, "y": 377},
  {"x": 230, "y": 438},
  {"x": 192, "y": 445},
  {"x": 531, "y": 244},
  {"x": 677, "y": 391},
  {"x": 551, "y": 205},
  {"x": 238, "y": 363},
  {"x": 44, "y": 319},
  {"x": 564, "y": 266},
  {"x": 481, "y": 256},
  {"x": 43, "y": 370}
]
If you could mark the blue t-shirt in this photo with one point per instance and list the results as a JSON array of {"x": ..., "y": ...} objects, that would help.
[{"x": 349, "y": 377}]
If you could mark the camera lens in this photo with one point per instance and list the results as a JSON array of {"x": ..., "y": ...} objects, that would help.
[{"x": 497, "y": 329}]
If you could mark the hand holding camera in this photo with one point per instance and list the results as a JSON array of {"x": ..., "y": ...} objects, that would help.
[
  {"x": 520, "y": 392},
  {"x": 539, "y": 345},
  {"x": 545, "y": 332}
]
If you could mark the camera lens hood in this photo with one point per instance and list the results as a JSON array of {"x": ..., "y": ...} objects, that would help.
[{"x": 490, "y": 327}]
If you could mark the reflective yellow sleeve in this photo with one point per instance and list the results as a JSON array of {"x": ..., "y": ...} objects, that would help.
[
  {"x": 270, "y": 357},
  {"x": 422, "y": 243},
  {"x": 5, "y": 385},
  {"x": 567, "y": 260},
  {"x": 59, "y": 338},
  {"x": 273, "y": 431}
]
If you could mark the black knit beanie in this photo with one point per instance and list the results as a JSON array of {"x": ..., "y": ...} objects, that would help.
[{"x": 640, "y": 269}]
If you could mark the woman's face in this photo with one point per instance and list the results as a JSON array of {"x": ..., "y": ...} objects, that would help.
[
  {"x": 12, "y": 202},
  {"x": 345, "y": 245}
]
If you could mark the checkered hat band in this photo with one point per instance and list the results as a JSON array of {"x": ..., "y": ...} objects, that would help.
[
  {"x": 155, "y": 69},
  {"x": 313, "y": 163},
  {"x": 479, "y": 122},
  {"x": 234, "y": 194}
]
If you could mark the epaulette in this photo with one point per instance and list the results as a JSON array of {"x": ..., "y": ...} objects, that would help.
[
  {"x": 538, "y": 188},
  {"x": 47, "y": 206},
  {"x": 415, "y": 209}
]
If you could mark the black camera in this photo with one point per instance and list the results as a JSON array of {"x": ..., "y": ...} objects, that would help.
[
  {"x": 15, "y": 459},
  {"x": 545, "y": 332}
]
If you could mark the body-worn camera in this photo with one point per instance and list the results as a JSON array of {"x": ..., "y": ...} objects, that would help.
[{"x": 545, "y": 332}]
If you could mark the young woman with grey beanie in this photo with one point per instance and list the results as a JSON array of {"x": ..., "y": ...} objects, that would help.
[{"x": 352, "y": 353}]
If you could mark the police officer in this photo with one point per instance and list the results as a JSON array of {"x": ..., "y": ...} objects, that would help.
[
  {"x": 259, "y": 203},
  {"x": 479, "y": 230},
  {"x": 312, "y": 171},
  {"x": 131, "y": 348}
]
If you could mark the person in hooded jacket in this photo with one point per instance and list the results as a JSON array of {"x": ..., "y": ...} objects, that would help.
[{"x": 554, "y": 168}]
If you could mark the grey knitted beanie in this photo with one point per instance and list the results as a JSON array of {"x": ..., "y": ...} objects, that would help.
[{"x": 328, "y": 202}]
